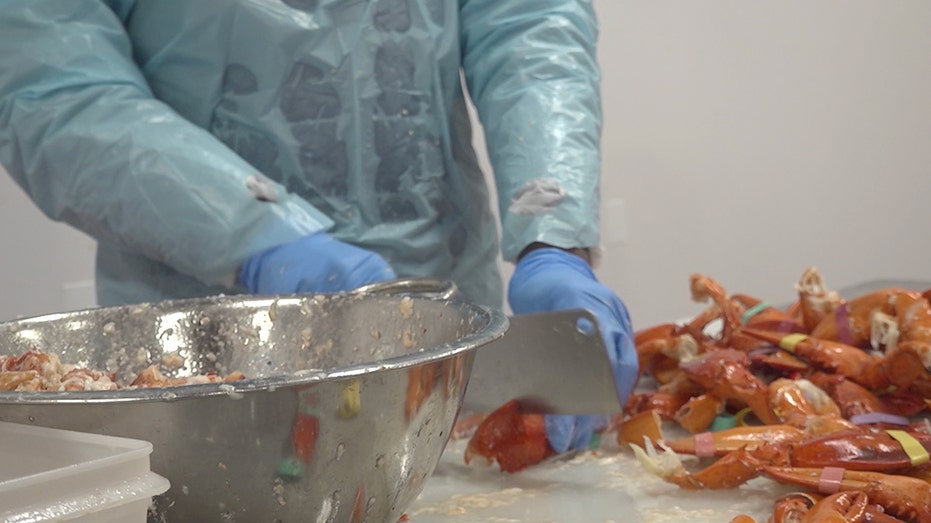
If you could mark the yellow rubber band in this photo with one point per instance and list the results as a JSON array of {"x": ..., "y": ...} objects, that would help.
[
  {"x": 739, "y": 417},
  {"x": 912, "y": 447},
  {"x": 789, "y": 342}
]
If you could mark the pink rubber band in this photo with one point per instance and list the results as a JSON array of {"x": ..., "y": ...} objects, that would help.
[
  {"x": 829, "y": 482},
  {"x": 786, "y": 326},
  {"x": 879, "y": 417},
  {"x": 842, "y": 322},
  {"x": 704, "y": 445}
]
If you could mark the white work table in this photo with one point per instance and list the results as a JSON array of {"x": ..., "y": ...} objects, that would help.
[{"x": 609, "y": 485}]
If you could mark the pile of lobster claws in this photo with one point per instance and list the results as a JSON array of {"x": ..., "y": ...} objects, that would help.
[{"x": 831, "y": 383}]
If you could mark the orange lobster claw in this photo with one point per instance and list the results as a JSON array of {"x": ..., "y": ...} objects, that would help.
[
  {"x": 704, "y": 289},
  {"x": 725, "y": 374},
  {"x": 792, "y": 507},
  {"x": 725, "y": 441},
  {"x": 656, "y": 332},
  {"x": 815, "y": 301},
  {"x": 796, "y": 401},
  {"x": 698, "y": 413},
  {"x": 759, "y": 314},
  {"x": 853, "y": 319},
  {"x": 902, "y": 496},
  {"x": 832, "y": 356},
  {"x": 514, "y": 439},
  {"x": 841, "y": 507}
]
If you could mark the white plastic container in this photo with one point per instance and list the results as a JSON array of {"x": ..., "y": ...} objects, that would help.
[{"x": 55, "y": 475}]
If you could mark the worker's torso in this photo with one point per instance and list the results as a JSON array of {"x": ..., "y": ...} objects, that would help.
[{"x": 354, "y": 105}]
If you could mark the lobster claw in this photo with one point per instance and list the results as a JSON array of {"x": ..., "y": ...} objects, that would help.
[
  {"x": 511, "y": 438},
  {"x": 842, "y": 506},
  {"x": 793, "y": 507},
  {"x": 902, "y": 496},
  {"x": 721, "y": 442}
]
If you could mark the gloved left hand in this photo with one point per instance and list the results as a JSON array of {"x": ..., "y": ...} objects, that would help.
[
  {"x": 551, "y": 279},
  {"x": 314, "y": 263}
]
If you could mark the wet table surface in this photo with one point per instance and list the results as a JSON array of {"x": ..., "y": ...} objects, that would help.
[{"x": 608, "y": 485}]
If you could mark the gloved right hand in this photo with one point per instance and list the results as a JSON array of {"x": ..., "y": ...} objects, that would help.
[
  {"x": 551, "y": 279},
  {"x": 314, "y": 263}
]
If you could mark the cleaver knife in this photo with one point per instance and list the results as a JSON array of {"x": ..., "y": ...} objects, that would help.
[{"x": 552, "y": 362}]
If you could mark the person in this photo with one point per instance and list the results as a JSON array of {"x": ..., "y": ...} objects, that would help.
[{"x": 283, "y": 146}]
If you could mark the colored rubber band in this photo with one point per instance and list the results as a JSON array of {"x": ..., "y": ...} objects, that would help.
[
  {"x": 842, "y": 324},
  {"x": 739, "y": 417},
  {"x": 350, "y": 398},
  {"x": 594, "y": 442},
  {"x": 829, "y": 482},
  {"x": 879, "y": 417},
  {"x": 722, "y": 422},
  {"x": 786, "y": 326},
  {"x": 789, "y": 342},
  {"x": 753, "y": 311},
  {"x": 704, "y": 445},
  {"x": 912, "y": 447}
]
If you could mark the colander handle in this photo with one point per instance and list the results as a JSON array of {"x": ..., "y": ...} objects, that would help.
[{"x": 441, "y": 289}]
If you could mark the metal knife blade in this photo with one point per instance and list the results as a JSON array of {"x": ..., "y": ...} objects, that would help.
[{"x": 549, "y": 361}]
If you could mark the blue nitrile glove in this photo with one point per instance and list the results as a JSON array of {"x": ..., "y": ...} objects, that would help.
[
  {"x": 551, "y": 279},
  {"x": 313, "y": 263}
]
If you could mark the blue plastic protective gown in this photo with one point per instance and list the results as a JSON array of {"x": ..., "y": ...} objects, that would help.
[{"x": 188, "y": 135}]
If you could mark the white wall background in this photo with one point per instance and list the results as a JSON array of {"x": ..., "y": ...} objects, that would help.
[
  {"x": 44, "y": 266},
  {"x": 748, "y": 140},
  {"x": 743, "y": 140}
]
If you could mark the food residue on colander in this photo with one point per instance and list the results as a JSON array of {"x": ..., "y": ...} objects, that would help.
[
  {"x": 406, "y": 306},
  {"x": 307, "y": 335},
  {"x": 278, "y": 491},
  {"x": 172, "y": 360},
  {"x": 407, "y": 338}
]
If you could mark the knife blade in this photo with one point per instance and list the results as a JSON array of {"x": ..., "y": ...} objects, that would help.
[{"x": 553, "y": 363}]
